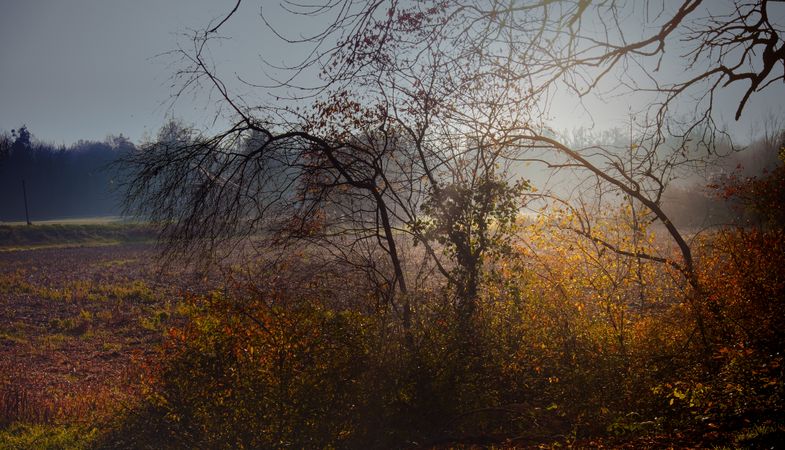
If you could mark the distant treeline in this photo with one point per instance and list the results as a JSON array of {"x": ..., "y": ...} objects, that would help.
[
  {"x": 81, "y": 180},
  {"x": 61, "y": 181}
]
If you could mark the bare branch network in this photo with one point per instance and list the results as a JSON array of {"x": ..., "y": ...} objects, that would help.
[{"x": 425, "y": 116}]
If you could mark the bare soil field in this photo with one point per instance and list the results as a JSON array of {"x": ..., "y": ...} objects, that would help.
[{"x": 76, "y": 326}]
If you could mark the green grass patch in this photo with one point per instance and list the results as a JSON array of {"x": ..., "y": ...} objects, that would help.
[
  {"x": 24, "y": 237},
  {"x": 50, "y": 437}
]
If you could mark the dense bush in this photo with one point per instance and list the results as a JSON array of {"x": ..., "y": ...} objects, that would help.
[
  {"x": 254, "y": 373},
  {"x": 565, "y": 358}
]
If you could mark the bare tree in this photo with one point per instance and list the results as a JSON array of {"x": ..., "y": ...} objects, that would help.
[{"x": 422, "y": 116}]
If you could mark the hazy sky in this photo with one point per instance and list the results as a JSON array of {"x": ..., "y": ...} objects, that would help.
[{"x": 83, "y": 69}]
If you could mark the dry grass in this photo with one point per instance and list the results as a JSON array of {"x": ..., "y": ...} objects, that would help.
[{"x": 75, "y": 326}]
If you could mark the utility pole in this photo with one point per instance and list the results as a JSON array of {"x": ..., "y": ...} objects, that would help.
[{"x": 24, "y": 193}]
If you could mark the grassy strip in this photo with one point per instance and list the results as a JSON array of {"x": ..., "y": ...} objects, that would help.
[
  {"x": 24, "y": 436},
  {"x": 23, "y": 237}
]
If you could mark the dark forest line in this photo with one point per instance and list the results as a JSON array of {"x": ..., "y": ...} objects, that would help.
[{"x": 60, "y": 181}]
